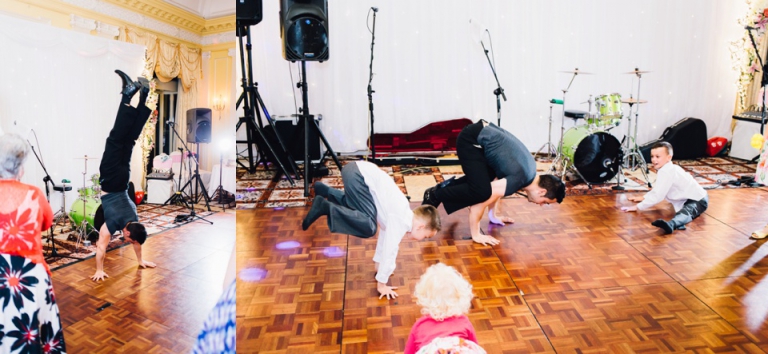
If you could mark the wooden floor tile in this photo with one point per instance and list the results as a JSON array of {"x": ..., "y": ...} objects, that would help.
[
  {"x": 577, "y": 277},
  {"x": 135, "y": 310},
  {"x": 739, "y": 300},
  {"x": 645, "y": 318}
]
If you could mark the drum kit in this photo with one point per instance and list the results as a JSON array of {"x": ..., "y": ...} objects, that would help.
[
  {"x": 83, "y": 212},
  {"x": 587, "y": 149}
]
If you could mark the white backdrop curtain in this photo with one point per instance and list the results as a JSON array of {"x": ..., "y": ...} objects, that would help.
[
  {"x": 61, "y": 84},
  {"x": 429, "y": 67}
]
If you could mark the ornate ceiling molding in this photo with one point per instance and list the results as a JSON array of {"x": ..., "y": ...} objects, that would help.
[
  {"x": 137, "y": 18},
  {"x": 164, "y": 12},
  {"x": 219, "y": 25}
]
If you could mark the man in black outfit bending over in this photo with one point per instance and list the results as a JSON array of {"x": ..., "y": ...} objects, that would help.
[
  {"x": 495, "y": 164},
  {"x": 115, "y": 171}
]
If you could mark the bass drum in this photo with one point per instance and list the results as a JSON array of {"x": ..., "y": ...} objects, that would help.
[
  {"x": 595, "y": 154},
  {"x": 90, "y": 211}
]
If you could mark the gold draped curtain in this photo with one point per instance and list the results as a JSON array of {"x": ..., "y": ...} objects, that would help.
[{"x": 171, "y": 60}]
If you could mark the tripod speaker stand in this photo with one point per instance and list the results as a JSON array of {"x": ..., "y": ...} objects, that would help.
[
  {"x": 255, "y": 133},
  {"x": 310, "y": 123},
  {"x": 196, "y": 188}
]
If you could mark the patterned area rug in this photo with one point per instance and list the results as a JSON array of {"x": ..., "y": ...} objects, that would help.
[
  {"x": 263, "y": 189},
  {"x": 156, "y": 218}
]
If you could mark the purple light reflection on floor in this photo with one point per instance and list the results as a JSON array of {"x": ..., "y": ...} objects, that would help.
[
  {"x": 287, "y": 245},
  {"x": 279, "y": 208},
  {"x": 333, "y": 252},
  {"x": 252, "y": 275}
]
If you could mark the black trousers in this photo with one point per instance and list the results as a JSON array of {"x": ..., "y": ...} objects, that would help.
[
  {"x": 353, "y": 210},
  {"x": 115, "y": 167},
  {"x": 692, "y": 209},
  {"x": 475, "y": 186}
]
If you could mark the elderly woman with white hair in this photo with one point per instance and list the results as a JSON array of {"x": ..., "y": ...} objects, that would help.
[
  {"x": 30, "y": 317},
  {"x": 445, "y": 298}
]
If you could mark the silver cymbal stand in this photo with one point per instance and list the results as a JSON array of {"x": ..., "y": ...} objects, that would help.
[
  {"x": 559, "y": 158},
  {"x": 551, "y": 150},
  {"x": 633, "y": 158},
  {"x": 82, "y": 227}
]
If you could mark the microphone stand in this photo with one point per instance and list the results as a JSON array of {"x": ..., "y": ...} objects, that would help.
[
  {"x": 47, "y": 179},
  {"x": 498, "y": 91},
  {"x": 370, "y": 89},
  {"x": 763, "y": 82}
]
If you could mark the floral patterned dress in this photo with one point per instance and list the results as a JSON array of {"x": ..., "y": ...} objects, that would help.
[{"x": 29, "y": 316}]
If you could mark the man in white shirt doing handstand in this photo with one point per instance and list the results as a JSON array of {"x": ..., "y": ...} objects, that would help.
[
  {"x": 371, "y": 200},
  {"x": 676, "y": 186}
]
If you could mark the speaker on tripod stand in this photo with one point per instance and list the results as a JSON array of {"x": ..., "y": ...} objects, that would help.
[{"x": 304, "y": 29}]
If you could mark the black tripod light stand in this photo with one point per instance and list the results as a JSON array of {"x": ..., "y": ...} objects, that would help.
[
  {"x": 198, "y": 183},
  {"x": 250, "y": 99}
]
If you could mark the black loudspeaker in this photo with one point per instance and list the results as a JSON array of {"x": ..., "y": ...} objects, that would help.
[
  {"x": 688, "y": 138},
  {"x": 199, "y": 125},
  {"x": 249, "y": 12},
  {"x": 304, "y": 29}
]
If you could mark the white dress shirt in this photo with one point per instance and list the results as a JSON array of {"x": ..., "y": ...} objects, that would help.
[
  {"x": 675, "y": 185},
  {"x": 393, "y": 215}
]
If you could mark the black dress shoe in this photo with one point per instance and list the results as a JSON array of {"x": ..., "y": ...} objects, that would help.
[
  {"x": 667, "y": 227},
  {"x": 129, "y": 87},
  {"x": 430, "y": 198}
]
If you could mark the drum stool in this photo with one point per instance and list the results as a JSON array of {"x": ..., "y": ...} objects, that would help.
[{"x": 61, "y": 215}]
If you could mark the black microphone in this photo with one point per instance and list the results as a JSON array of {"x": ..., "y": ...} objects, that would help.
[
  {"x": 375, "y": 9},
  {"x": 749, "y": 28}
]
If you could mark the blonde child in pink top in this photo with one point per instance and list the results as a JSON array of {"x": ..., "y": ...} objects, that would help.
[{"x": 445, "y": 298}]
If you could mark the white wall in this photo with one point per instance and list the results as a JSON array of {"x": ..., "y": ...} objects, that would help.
[
  {"x": 61, "y": 85},
  {"x": 427, "y": 67}
]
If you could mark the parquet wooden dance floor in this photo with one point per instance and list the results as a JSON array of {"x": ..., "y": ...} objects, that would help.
[
  {"x": 157, "y": 310},
  {"x": 577, "y": 277}
]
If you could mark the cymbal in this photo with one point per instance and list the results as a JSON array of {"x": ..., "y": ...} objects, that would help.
[
  {"x": 577, "y": 71},
  {"x": 637, "y": 72},
  {"x": 633, "y": 101},
  {"x": 86, "y": 157}
]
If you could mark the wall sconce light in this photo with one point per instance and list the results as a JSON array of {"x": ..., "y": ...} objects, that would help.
[{"x": 219, "y": 104}]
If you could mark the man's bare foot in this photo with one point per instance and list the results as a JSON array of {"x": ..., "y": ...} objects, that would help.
[{"x": 499, "y": 220}]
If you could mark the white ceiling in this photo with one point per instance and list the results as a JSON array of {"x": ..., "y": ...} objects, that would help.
[{"x": 207, "y": 9}]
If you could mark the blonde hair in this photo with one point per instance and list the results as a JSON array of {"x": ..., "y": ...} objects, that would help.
[
  {"x": 442, "y": 292},
  {"x": 429, "y": 214}
]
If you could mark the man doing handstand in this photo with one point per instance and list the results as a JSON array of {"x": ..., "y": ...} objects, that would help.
[{"x": 115, "y": 171}]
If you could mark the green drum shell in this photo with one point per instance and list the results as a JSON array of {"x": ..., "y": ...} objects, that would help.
[
  {"x": 78, "y": 211},
  {"x": 572, "y": 138}
]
